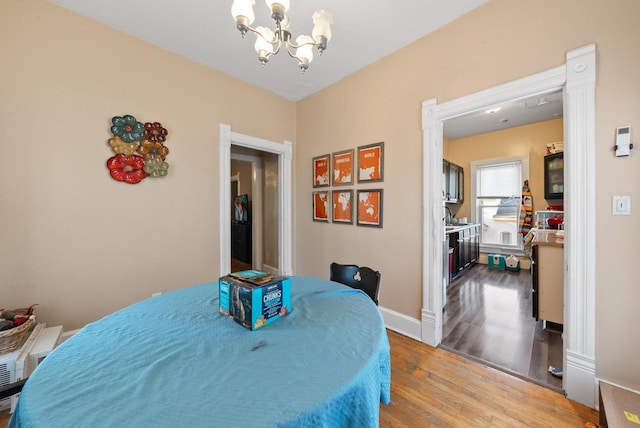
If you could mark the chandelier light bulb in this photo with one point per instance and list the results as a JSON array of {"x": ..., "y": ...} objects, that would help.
[
  {"x": 278, "y": 8},
  {"x": 304, "y": 52},
  {"x": 322, "y": 21},
  {"x": 264, "y": 43},
  {"x": 242, "y": 12}
]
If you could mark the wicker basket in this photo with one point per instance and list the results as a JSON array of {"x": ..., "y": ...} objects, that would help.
[{"x": 13, "y": 338}]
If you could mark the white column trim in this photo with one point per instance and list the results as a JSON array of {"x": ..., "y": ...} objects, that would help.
[{"x": 580, "y": 209}]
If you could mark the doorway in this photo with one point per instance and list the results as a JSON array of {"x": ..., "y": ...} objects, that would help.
[
  {"x": 283, "y": 153},
  {"x": 488, "y": 315},
  {"x": 577, "y": 80}
]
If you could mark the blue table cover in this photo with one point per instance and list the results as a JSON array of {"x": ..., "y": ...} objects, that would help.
[{"x": 175, "y": 361}]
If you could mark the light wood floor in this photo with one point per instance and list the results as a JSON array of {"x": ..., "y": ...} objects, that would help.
[
  {"x": 435, "y": 387},
  {"x": 488, "y": 316}
]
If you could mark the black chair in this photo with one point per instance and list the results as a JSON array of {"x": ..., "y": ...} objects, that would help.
[
  {"x": 7, "y": 391},
  {"x": 362, "y": 278}
]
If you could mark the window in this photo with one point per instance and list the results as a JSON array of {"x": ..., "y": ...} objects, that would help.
[{"x": 497, "y": 192}]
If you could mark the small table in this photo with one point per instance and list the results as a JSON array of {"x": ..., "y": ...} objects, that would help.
[
  {"x": 174, "y": 361},
  {"x": 618, "y": 407}
]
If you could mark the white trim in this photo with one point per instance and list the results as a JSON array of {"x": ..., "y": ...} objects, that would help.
[
  {"x": 579, "y": 120},
  {"x": 285, "y": 154},
  {"x": 580, "y": 208},
  {"x": 401, "y": 323}
]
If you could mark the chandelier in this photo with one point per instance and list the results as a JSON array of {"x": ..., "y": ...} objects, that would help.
[{"x": 268, "y": 42}]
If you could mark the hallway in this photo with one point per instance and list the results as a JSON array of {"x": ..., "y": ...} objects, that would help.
[{"x": 488, "y": 318}]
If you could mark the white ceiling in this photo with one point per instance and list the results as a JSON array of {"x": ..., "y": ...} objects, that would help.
[
  {"x": 364, "y": 31},
  {"x": 511, "y": 114}
]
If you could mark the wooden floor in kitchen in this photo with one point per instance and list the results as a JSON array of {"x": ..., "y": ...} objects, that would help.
[{"x": 488, "y": 317}]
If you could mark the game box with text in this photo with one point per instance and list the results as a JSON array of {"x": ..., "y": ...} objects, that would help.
[{"x": 253, "y": 298}]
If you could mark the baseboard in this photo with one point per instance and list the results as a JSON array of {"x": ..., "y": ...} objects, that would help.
[
  {"x": 401, "y": 323},
  {"x": 580, "y": 379}
]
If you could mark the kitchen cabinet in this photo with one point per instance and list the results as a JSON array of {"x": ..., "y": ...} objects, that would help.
[
  {"x": 452, "y": 182},
  {"x": 547, "y": 265},
  {"x": 465, "y": 241},
  {"x": 554, "y": 176}
]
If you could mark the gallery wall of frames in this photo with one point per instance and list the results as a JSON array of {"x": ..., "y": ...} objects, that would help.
[{"x": 333, "y": 201}]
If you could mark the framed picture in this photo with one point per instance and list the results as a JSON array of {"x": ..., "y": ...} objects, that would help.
[
  {"x": 321, "y": 169},
  {"x": 342, "y": 163},
  {"x": 321, "y": 206},
  {"x": 371, "y": 162},
  {"x": 342, "y": 206},
  {"x": 370, "y": 207}
]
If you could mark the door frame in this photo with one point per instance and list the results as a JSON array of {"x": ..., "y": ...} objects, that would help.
[
  {"x": 577, "y": 78},
  {"x": 284, "y": 151}
]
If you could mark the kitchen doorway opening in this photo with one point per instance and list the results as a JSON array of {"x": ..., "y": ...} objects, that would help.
[{"x": 576, "y": 78}]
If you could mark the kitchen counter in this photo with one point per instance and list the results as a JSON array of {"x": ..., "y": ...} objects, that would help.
[
  {"x": 457, "y": 227},
  {"x": 548, "y": 238}
]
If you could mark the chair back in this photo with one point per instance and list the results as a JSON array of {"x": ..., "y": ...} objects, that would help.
[{"x": 361, "y": 278}]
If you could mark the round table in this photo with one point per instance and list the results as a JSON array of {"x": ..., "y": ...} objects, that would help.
[{"x": 175, "y": 361}]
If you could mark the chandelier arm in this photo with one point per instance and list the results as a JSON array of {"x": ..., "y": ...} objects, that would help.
[
  {"x": 293, "y": 45},
  {"x": 253, "y": 30}
]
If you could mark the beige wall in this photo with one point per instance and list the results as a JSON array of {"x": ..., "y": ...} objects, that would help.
[
  {"x": 74, "y": 240},
  {"x": 501, "y": 41},
  {"x": 529, "y": 140}
]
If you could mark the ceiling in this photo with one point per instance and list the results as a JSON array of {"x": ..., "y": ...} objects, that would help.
[
  {"x": 514, "y": 113},
  {"x": 364, "y": 31}
]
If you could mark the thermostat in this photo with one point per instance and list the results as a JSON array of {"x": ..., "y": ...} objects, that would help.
[{"x": 623, "y": 141}]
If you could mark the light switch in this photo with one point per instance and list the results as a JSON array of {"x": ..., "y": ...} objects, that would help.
[{"x": 621, "y": 205}]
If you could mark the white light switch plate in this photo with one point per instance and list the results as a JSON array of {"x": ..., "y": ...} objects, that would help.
[{"x": 621, "y": 205}]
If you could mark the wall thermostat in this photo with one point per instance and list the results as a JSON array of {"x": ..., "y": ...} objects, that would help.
[{"x": 623, "y": 141}]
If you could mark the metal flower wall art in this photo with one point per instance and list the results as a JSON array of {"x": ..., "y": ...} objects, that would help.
[{"x": 139, "y": 150}]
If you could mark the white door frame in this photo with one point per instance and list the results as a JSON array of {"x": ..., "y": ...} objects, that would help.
[
  {"x": 285, "y": 153},
  {"x": 577, "y": 79}
]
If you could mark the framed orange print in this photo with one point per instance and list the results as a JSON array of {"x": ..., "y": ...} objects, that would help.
[
  {"x": 342, "y": 163},
  {"x": 321, "y": 206},
  {"x": 321, "y": 169},
  {"x": 370, "y": 207},
  {"x": 371, "y": 162},
  {"x": 342, "y": 206}
]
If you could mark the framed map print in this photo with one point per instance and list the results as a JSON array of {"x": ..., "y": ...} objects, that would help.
[
  {"x": 370, "y": 207},
  {"x": 321, "y": 206},
  {"x": 371, "y": 162},
  {"x": 342, "y": 206},
  {"x": 342, "y": 163},
  {"x": 321, "y": 169}
]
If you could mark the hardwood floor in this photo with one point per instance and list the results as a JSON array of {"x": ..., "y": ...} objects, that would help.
[
  {"x": 238, "y": 265},
  {"x": 488, "y": 317},
  {"x": 435, "y": 387}
]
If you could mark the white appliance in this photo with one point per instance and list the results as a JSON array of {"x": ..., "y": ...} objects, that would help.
[{"x": 19, "y": 364}]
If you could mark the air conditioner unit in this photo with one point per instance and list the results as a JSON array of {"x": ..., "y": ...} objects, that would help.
[
  {"x": 19, "y": 364},
  {"x": 12, "y": 365}
]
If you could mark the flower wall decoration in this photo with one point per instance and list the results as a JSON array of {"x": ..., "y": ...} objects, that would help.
[{"x": 139, "y": 150}]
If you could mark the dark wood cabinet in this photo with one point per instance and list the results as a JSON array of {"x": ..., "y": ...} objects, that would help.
[
  {"x": 452, "y": 182},
  {"x": 466, "y": 248},
  {"x": 241, "y": 242},
  {"x": 554, "y": 176}
]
